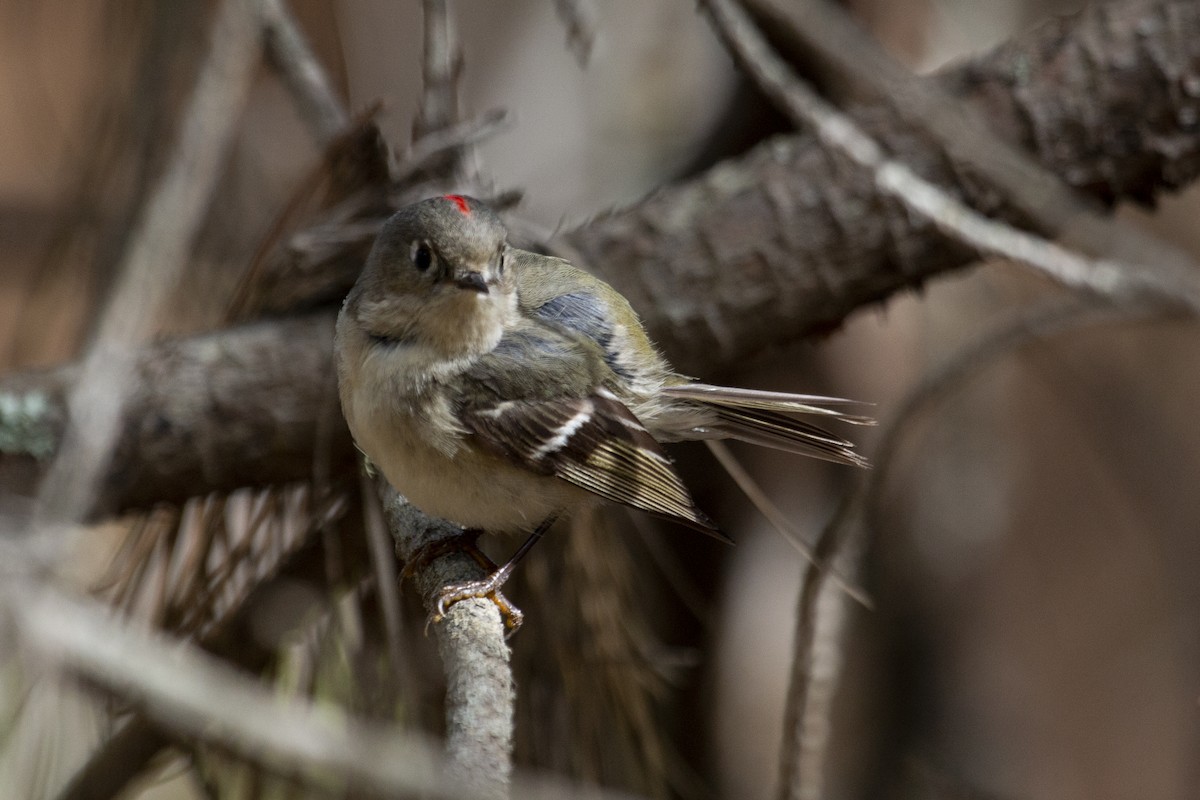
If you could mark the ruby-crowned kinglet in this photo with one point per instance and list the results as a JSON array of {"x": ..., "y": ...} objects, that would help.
[{"x": 499, "y": 388}]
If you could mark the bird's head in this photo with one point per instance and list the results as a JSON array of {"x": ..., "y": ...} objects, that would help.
[{"x": 437, "y": 274}]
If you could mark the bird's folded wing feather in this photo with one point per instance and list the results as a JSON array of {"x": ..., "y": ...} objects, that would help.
[{"x": 544, "y": 418}]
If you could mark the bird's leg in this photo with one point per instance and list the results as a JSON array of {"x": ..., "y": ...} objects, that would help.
[
  {"x": 465, "y": 542},
  {"x": 489, "y": 587}
]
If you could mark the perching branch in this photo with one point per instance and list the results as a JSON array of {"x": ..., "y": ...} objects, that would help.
[
  {"x": 479, "y": 693},
  {"x": 199, "y": 697}
]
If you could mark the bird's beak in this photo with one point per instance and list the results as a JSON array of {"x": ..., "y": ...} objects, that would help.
[{"x": 473, "y": 281}]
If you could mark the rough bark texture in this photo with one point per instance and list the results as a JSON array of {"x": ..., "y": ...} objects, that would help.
[
  {"x": 480, "y": 696},
  {"x": 787, "y": 240},
  {"x": 245, "y": 407},
  {"x": 757, "y": 251}
]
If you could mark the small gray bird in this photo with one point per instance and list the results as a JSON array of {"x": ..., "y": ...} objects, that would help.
[{"x": 500, "y": 389}]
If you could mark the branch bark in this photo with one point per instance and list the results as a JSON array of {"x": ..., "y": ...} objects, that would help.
[
  {"x": 195, "y": 403},
  {"x": 480, "y": 697},
  {"x": 790, "y": 239},
  {"x": 758, "y": 251}
]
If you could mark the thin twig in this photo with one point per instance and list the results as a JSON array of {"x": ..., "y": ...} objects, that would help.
[
  {"x": 1104, "y": 277},
  {"x": 200, "y": 696},
  {"x": 822, "y": 617},
  {"x": 435, "y": 145},
  {"x": 383, "y": 562},
  {"x": 153, "y": 265},
  {"x": 579, "y": 18},
  {"x": 480, "y": 697},
  {"x": 320, "y": 107},
  {"x": 441, "y": 70},
  {"x": 777, "y": 519}
]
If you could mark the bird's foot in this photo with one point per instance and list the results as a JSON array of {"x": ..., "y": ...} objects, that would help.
[{"x": 486, "y": 589}]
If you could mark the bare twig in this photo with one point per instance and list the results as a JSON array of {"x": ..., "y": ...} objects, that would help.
[
  {"x": 1106, "y": 278},
  {"x": 152, "y": 266},
  {"x": 821, "y": 620},
  {"x": 202, "y": 697},
  {"x": 383, "y": 563},
  {"x": 579, "y": 18},
  {"x": 306, "y": 80},
  {"x": 435, "y": 145},
  {"x": 479, "y": 693},
  {"x": 441, "y": 105},
  {"x": 442, "y": 66},
  {"x": 777, "y": 519}
]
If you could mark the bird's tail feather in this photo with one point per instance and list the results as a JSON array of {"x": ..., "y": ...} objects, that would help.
[{"x": 767, "y": 419}]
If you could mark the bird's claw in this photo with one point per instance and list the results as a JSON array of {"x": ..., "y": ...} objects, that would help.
[{"x": 486, "y": 589}]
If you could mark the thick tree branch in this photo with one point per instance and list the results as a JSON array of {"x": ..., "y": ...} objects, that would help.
[
  {"x": 825, "y": 32},
  {"x": 264, "y": 392},
  {"x": 1164, "y": 274},
  {"x": 790, "y": 239},
  {"x": 756, "y": 252}
]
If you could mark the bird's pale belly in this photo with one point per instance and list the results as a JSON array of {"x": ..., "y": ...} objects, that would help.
[{"x": 473, "y": 489}]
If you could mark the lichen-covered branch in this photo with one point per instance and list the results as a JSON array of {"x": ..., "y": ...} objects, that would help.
[{"x": 244, "y": 407}]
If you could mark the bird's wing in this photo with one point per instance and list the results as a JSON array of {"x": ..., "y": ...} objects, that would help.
[
  {"x": 556, "y": 293},
  {"x": 551, "y": 415}
]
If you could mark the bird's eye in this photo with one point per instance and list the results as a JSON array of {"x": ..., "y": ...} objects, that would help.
[
  {"x": 422, "y": 256},
  {"x": 501, "y": 262}
]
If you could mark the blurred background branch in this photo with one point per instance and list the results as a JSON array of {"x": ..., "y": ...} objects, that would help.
[{"x": 1022, "y": 524}]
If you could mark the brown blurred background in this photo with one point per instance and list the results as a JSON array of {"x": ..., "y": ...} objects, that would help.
[{"x": 1035, "y": 629}]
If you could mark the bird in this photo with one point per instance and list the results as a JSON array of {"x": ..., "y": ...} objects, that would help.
[{"x": 502, "y": 389}]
